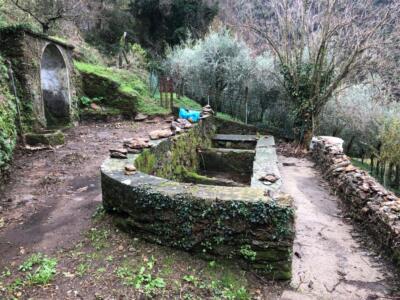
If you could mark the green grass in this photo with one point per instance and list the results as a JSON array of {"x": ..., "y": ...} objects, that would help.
[
  {"x": 132, "y": 84},
  {"x": 128, "y": 83},
  {"x": 143, "y": 279},
  {"x": 187, "y": 103},
  {"x": 361, "y": 165},
  {"x": 366, "y": 166},
  {"x": 39, "y": 268},
  {"x": 99, "y": 238},
  {"x": 227, "y": 117}
]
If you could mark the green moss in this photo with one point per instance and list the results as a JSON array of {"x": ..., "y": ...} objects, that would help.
[
  {"x": 126, "y": 83},
  {"x": 8, "y": 131},
  {"x": 182, "y": 158},
  {"x": 146, "y": 162},
  {"x": 52, "y": 139}
]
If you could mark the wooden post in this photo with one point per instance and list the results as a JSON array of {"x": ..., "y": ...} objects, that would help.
[
  {"x": 246, "y": 95},
  {"x": 172, "y": 101},
  {"x": 161, "y": 91}
]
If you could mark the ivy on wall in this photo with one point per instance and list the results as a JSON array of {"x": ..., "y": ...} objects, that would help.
[{"x": 8, "y": 131}]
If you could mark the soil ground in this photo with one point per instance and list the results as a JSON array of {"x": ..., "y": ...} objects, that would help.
[{"x": 52, "y": 205}]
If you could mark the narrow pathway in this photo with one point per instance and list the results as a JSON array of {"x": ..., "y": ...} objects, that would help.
[{"x": 329, "y": 261}]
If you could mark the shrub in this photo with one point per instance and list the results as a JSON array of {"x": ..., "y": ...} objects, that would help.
[{"x": 221, "y": 69}]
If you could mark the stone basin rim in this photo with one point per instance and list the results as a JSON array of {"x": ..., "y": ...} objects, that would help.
[{"x": 114, "y": 169}]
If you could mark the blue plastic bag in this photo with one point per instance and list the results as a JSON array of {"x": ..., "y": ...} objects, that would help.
[{"x": 191, "y": 115}]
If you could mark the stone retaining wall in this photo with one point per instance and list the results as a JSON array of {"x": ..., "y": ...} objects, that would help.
[
  {"x": 110, "y": 93},
  {"x": 242, "y": 224},
  {"x": 377, "y": 209}
]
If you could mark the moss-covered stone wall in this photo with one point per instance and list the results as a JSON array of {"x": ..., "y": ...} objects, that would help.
[
  {"x": 24, "y": 49},
  {"x": 8, "y": 131},
  {"x": 109, "y": 93},
  {"x": 241, "y": 224},
  {"x": 177, "y": 157}
]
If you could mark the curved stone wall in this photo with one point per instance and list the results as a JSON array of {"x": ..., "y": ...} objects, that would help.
[{"x": 242, "y": 224}]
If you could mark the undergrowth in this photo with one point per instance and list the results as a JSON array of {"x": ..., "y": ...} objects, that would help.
[{"x": 128, "y": 82}]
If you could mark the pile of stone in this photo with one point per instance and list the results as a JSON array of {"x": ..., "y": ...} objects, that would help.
[
  {"x": 180, "y": 125},
  {"x": 370, "y": 203},
  {"x": 120, "y": 153},
  {"x": 160, "y": 134},
  {"x": 130, "y": 169},
  {"x": 135, "y": 146},
  {"x": 207, "y": 111},
  {"x": 269, "y": 179}
]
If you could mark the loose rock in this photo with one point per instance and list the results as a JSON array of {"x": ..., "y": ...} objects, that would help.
[
  {"x": 140, "y": 117},
  {"x": 271, "y": 178},
  {"x": 119, "y": 153},
  {"x": 159, "y": 134}
]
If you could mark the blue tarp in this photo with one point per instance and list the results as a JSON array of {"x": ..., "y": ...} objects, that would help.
[{"x": 192, "y": 115}]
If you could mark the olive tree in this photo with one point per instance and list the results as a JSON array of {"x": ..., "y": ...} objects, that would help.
[
  {"x": 215, "y": 68},
  {"x": 319, "y": 45}
]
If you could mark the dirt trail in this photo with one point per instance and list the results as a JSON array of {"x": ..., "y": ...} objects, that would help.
[
  {"x": 329, "y": 259},
  {"x": 52, "y": 194}
]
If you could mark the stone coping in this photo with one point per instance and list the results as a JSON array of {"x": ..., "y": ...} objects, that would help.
[
  {"x": 114, "y": 169},
  {"x": 12, "y": 30},
  {"x": 266, "y": 163},
  {"x": 235, "y": 138},
  {"x": 247, "y": 225}
]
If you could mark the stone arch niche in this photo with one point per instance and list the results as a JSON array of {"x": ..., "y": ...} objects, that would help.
[{"x": 55, "y": 87}]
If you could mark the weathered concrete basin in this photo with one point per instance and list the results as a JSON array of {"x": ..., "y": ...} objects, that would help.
[{"x": 239, "y": 223}]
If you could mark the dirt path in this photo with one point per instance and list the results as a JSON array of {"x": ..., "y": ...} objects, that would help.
[
  {"x": 52, "y": 194},
  {"x": 329, "y": 259}
]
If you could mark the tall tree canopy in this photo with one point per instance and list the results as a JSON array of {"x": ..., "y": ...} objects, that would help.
[
  {"x": 159, "y": 23},
  {"x": 320, "y": 45}
]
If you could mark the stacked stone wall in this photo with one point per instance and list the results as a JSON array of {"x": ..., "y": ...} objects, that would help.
[
  {"x": 242, "y": 224},
  {"x": 377, "y": 209}
]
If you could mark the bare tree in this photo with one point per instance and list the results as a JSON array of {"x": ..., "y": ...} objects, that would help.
[
  {"x": 319, "y": 45},
  {"x": 48, "y": 12}
]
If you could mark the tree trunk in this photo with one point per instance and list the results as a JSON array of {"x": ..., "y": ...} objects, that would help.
[
  {"x": 350, "y": 145},
  {"x": 372, "y": 164},
  {"x": 385, "y": 175},
  {"x": 303, "y": 129},
  {"x": 390, "y": 175},
  {"x": 397, "y": 178},
  {"x": 378, "y": 167}
]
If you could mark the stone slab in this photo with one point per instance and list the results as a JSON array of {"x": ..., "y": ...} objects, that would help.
[
  {"x": 266, "y": 163},
  {"x": 235, "y": 138}
]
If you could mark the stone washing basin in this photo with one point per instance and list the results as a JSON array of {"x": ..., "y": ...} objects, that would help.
[{"x": 250, "y": 225}]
